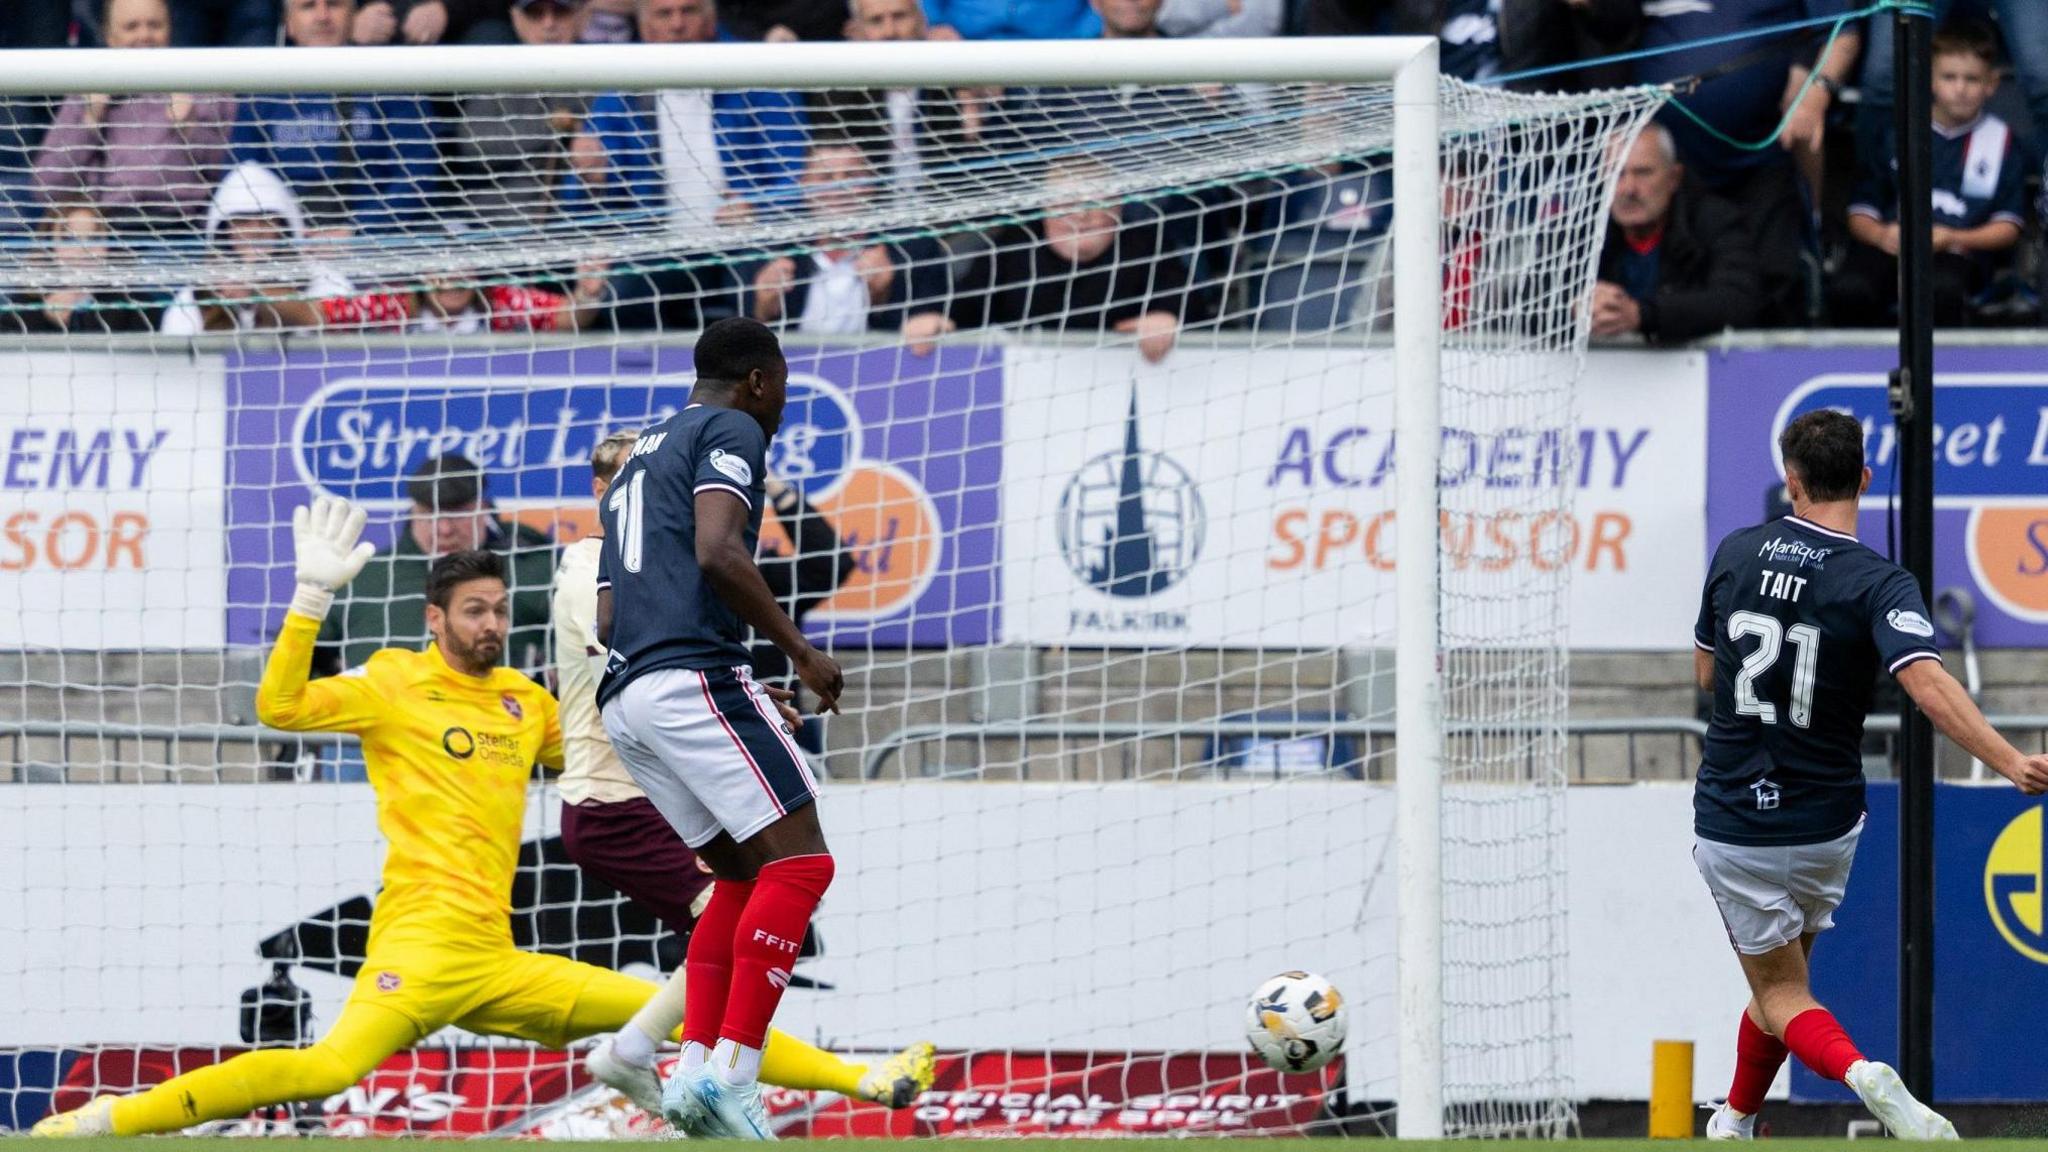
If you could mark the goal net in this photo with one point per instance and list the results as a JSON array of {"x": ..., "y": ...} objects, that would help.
[{"x": 1091, "y": 466}]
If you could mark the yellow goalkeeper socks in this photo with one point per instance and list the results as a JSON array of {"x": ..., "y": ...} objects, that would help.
[
  {"x": 359, "y": 1041},
  {"x": 230, "y": 1089},
  {"x": 791, "y": 1063}
]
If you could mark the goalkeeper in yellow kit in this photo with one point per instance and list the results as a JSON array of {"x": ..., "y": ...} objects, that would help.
[{"x": 450, "y": 738}]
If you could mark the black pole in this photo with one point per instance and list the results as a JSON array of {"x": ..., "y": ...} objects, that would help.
[{"x": 1913, "y": 411}]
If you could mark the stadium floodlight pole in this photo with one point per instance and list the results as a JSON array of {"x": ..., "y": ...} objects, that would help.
[
  {"x": 1912, "y": 398},
  {"x": 1418, "y": 657}
]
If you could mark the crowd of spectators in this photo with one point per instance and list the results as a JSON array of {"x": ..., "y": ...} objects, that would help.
[{"x": 1708, "y": 230}]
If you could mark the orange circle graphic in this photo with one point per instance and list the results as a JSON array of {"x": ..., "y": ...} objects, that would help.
[
  {"x": 888, "y": 526},
  {"x": 2009, "y": 553}
]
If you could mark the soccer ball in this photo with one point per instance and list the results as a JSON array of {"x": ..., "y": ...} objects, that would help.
[{"x": 1296, "y": 1022}]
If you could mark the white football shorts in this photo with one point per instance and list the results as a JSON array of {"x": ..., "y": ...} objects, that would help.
[
  {"x": 1771, "y": 896},
  {"x": 710, "y": 751}
]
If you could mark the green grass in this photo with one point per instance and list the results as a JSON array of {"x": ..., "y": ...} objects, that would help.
[
  {"x": 164, "y": 1144},
  {"x": 1829, "y": 1144}
]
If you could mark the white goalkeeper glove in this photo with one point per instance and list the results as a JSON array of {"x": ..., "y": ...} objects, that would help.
[{"x": 328, "y": 551}]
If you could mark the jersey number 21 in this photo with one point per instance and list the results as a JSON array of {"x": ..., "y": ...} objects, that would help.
[{"x": 1771, "y": 637}]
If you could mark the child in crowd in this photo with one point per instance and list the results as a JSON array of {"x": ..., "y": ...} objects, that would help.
[{"x": 1977, "y": 194}]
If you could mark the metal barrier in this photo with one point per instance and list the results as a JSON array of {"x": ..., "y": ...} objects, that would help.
[
  {"x": 294, "y": 748},
  {"x": 1688, "y": 734},
  {"x": 291, "y": 749},
  {"x": 878, "y": 754}
]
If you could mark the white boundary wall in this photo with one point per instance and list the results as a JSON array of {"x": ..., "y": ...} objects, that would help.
[{"x": 185, "y": 880}]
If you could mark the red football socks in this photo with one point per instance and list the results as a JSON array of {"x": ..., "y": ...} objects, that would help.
[
  {"x": 1816, "y": 1037},
  {"x": 1758, "y": 1056},
  {"x": 770, "y": 931},
  {"x": 709, "y": 962}
]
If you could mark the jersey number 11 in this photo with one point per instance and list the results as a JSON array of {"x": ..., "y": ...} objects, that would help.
[{"x": 625, "y": 500}]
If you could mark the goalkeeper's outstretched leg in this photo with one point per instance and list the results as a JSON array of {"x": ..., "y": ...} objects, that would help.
[
  {"x": 362, "y": 1038},
  {"x": 529, "y": 1004}
]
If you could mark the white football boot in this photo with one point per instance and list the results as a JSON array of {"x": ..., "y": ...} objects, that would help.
[
  {"x": 1885, "y": 1095},
  {"x": 640, "y": 1085},
  {"x": 1728, "y": 1124},
  {"x": 729, "y": 1112}
]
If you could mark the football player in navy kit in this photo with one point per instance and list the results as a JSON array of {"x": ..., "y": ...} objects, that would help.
[
  {"x": 678, "y": 589},
  {"x": 1796, "y": 621}
]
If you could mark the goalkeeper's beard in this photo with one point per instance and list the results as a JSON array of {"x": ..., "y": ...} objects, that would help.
[{"x": 476, "y": 659}]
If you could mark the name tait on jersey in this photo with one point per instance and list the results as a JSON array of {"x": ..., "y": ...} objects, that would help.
[{"x": 1781, "y": 585}]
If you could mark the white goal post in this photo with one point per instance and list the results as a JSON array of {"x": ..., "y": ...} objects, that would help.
[{"x": 1508, "y": 234}]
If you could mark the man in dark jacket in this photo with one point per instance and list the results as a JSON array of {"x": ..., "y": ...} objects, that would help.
[
  {"x": 386, "y": 606},
  {"x": 1678, "y": 262},
  {"x": 512, "y": 148},
  {"x": 912, "y": 136},
  {"x": 846, "y": 283}
]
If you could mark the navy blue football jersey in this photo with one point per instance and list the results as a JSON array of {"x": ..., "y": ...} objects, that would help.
[
  {"x": 1978, "y": 178},
  {"x": 1800, "y": 620},
  {"x": 664, "y": 613}
]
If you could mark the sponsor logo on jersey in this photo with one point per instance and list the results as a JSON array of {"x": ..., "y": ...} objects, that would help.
[
  {"x": 1911, "y": 623},
  {"x": 1131, "y": 521},
  {"x": 1768, "y": 796},
  {"x": 458, "y": 742},
  {"x": 512, "y": 707},
  {"x": 732, "y": 467},
  {"x": 2014, "y": 874},
  {"x": 779, "y": 977},
  {"x": 1780, "y": 550}
]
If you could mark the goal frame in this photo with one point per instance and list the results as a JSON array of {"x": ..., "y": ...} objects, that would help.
[{"x": 1408, "y": 62}]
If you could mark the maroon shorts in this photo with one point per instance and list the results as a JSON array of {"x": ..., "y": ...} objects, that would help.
[{"x": 630, "y": 846}]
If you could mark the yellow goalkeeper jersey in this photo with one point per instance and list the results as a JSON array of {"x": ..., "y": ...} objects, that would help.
[{"x": 450, "y": 757}]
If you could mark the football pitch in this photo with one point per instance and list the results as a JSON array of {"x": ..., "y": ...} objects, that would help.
[
  {"x": 160, "y": 1144},
  {"x": 1299, "y": 1144}
]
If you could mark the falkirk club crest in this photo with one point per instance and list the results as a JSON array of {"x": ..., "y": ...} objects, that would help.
[
  {"x": 512, "y": 707},
  {"x": 1131, "y": 522}
]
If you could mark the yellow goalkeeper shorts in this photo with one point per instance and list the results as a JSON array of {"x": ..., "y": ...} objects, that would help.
[{"x": 499, "y": 991}]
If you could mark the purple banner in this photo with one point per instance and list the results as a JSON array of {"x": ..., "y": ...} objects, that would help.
[
  {"x": 1991, "y": 462},
  {"x": 902, "y": 453}
]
